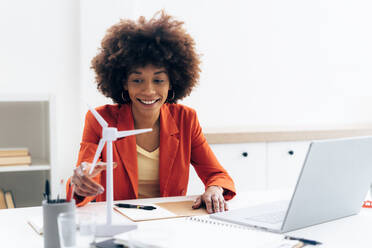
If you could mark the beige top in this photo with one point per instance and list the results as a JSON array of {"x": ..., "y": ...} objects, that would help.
[{"x": 148, "y": 173}]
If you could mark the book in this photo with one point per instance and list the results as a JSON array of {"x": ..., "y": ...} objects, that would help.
[
  {"x": 2, "y": 200},
  {"x": 164, "y": 210},
  {"x": 18, "y": 160},
  {"x": 13, "y": 152},
  {"x": 9, "y": 199}
]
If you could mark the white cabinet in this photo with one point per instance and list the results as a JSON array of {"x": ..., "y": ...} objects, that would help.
[
  {"x": 267, "y": 158},
  {"x": 26, "y": 121},
  {"x": 284, "y": 163},
  {"x": 195, "y": 186},
  {"x": 244, "y": 162},
  {"x": 257, "y": 165}
]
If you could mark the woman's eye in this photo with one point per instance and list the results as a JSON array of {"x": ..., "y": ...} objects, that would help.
[
  {"x": 158, "y": 80},
  {"x": 136, "y": 80}
]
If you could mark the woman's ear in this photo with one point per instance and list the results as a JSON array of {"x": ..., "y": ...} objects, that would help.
[{"x": 125, "y": 86}]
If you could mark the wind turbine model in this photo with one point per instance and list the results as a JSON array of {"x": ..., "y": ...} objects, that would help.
[{"x": 110, "y": 134}]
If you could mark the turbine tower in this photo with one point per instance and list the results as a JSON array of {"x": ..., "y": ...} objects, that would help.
[{"x": 110, "y": 134}]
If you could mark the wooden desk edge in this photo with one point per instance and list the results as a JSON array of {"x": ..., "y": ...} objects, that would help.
[{"x": 279, "y": 136}]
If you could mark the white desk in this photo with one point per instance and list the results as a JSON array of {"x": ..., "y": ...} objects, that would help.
[{"x": 354, "y": 231}]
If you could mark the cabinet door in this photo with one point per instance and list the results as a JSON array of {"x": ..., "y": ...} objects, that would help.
[
  {"x": 196, "y": 186},
  {"x": 244, "y": 162},
  {"x": 284, "y": 163}
]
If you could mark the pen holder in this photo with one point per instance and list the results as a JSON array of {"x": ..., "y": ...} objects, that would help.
[{"x": 50, "y": 226}]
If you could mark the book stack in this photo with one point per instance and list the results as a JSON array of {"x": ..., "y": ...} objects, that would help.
[
  {"x": 6, "y": 199},
  {"x": 14, "y": 156}
]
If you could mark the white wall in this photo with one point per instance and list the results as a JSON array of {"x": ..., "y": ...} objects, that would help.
[
  {"x": 39, "y": 53},
  {"x": 96, "y": 17},
  {"x": 265, "y": 63},
  {"x": 270, "y": 63}
]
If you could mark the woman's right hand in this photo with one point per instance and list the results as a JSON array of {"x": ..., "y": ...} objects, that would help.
[{"x": 83, "y": 181}]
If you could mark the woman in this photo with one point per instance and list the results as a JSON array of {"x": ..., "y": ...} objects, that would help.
[{"x": 145, "y": 67}]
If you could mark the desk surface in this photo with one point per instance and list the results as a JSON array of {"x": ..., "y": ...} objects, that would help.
[{"x": 347, "y": 232}]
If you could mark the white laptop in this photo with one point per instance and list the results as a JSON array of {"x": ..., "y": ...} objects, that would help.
[{"x": 333, "y": 183}]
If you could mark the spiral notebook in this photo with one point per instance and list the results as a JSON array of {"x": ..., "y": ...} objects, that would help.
[{"x": 198, "y": 231}]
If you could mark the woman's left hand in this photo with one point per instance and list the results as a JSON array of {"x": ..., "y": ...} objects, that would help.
[{"x": 213, "y": 200}]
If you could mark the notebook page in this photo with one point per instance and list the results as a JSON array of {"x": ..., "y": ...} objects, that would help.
[
  {"x": 185, "y": 233},
  {"x": 141, "y": 214}
]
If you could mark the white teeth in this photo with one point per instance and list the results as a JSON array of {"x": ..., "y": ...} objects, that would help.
[{"x": 147, "y": 102}]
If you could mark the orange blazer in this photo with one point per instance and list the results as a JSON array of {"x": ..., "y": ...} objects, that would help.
[{"x": 181, "y": 143}]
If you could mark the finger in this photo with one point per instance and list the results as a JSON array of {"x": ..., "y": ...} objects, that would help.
[
  {"x": 97, "y": 170},
  {"x": 79, "y": 171},
  {"x": 86, "y": 184},
  {"x": 85, "y": 167},
  {"x": 215, "y": 203},
  {"x": 104, "y": 164},
  {"x": 208, "y": 204},
  {"x": 80, "y": 189},
  {"x": 101, "y": 166},
  {"x": 76, "y": 177},
  {"x": 91, "y": 185},
  {"x": 83, "y": 190},
  {"x": 226, "y": 206},
  {"x": 197, "y": 202},
  {"x": 222, "y": 204},
  {"x": 85, "y": 179},
  {"x": 80, "y": 192},
  {"x": 75, "y": 181}
]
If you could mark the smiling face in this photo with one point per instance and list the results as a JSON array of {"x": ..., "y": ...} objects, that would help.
[{"x": 148, "y": 89}]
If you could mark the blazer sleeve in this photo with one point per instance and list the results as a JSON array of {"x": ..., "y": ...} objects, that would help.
[
  {"x": 88, "y": 146},
  {"x": 206, "y": 164}
]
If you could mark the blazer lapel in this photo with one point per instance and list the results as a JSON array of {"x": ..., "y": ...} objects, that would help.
[
  {"x": 169, "y": 142},
  {"x": 126, "y": 146}
]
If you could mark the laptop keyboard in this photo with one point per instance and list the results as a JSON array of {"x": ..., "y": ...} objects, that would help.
[{"x": 272, "y": 218}]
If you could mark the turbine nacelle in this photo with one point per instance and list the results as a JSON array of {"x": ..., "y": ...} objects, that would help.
[{"x": 109, "y": 133}]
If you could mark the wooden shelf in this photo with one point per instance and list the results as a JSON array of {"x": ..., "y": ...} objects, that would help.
[
  {"x": 29, "y": 123},
  {"x": 24, "y": 98},
  {"x": 37, "y": 165}
]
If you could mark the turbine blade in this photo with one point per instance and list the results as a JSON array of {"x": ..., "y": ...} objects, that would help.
[
  {"x": 99, "y": 118},
  {"x": 132, "y": 132},
  {"x": 96, "y": 156}
]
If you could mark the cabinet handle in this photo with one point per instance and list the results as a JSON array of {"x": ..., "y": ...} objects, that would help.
[
  {"x": 245, "y": 154},
  {"x": 290, "y": 152}
]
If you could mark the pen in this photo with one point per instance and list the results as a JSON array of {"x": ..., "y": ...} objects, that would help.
[
  {"x": 124, "y": 205},
  {"x": 305, "y": 241},
  {"x": 47, "y": 191}
]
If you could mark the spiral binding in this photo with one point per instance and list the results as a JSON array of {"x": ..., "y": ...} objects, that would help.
[{"x": 206, "y": 220}]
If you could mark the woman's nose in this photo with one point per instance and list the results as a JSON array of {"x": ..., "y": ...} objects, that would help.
[{"x": 148, "y": 87}]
